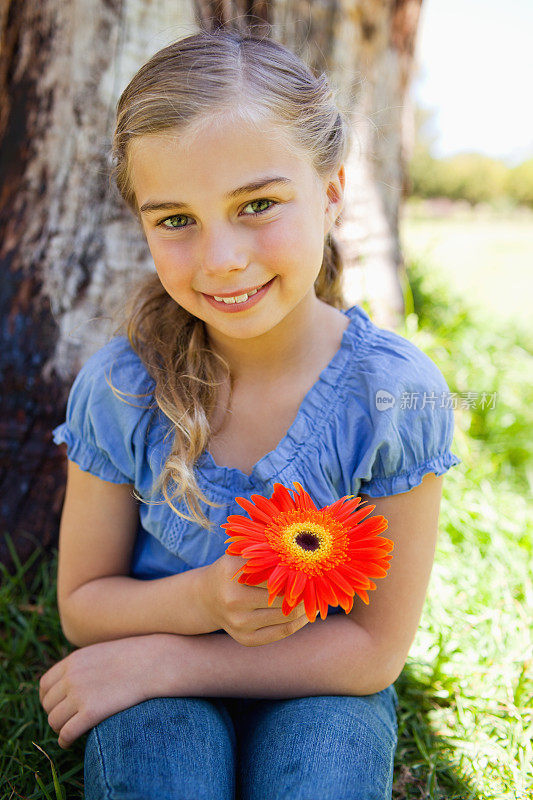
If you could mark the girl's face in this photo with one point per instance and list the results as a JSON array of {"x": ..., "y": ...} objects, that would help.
[{"x": 212, "y": 233}]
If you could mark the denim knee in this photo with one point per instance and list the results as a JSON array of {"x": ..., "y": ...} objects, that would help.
[
  {"x": 327, "y": 747},
  {"x": 162, "y": 748}
]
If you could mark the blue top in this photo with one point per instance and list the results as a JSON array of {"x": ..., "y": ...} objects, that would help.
[{"x": 376, "y": 421}]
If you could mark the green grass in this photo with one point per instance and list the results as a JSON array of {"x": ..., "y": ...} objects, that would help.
[
  {"x": 467, "y": 688},
  {"x": 466, "y": 692}
]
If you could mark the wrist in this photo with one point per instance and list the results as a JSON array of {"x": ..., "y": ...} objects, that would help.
[
  {"x": 201, "y": 597},
  {"x": 166, "y": 651}
]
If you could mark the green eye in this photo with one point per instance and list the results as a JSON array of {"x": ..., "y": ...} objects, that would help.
[
  {"x": 173, "y": 222},
  {"x": 262, "y": 200},
  {"x": 170, "y": 222}
]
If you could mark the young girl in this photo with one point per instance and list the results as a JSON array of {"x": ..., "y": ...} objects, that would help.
[{"x": 240, "y": 369}]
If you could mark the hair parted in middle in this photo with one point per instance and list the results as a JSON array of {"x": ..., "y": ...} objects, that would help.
[{"x": 206, "y": 74}]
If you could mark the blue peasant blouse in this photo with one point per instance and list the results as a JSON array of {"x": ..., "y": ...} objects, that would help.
[{"x": 376, "y": 421}]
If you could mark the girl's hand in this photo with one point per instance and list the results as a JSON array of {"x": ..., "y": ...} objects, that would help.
[
  {"x": 93, "y": 683},
  {"x": 243, "y": 611}
]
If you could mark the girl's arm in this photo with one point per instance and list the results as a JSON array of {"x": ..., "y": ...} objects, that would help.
[
  {"x": 352, "y": 655},
  {"x": 97, "y": 599},
  {"x": 99, "y": 602},
  {"x": 360, "y": 653}
]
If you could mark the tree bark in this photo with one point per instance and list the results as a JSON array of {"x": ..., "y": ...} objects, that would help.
[{"x": 68, "y": 246}]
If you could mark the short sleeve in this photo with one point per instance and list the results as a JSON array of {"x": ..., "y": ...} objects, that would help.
[
  {"x": 413, "y": 425},
  {"x": 102, "y": 426}
]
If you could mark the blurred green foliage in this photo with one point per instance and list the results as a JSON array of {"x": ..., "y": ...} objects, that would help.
[
  {"x": 466, "y": 176},
  {"x": 470, "y": 176},
  {"x": 520, "y": 183}
]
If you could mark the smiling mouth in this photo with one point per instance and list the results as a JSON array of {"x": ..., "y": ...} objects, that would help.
[{"x": 239, "y": 298}]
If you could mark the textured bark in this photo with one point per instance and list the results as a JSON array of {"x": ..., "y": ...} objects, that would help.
[
  {"x": 367, "y": 48},
  {"x": 68, "y": 247}
]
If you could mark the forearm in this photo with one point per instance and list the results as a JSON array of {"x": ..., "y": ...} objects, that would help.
[
  {"x": 118, "y": 606},
  {"x": 331, "y": 656}
]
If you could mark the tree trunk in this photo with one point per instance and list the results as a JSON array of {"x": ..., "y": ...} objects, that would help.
[
  {"x": 367, "y": 48},
  {"x": 68, "y": 246}
]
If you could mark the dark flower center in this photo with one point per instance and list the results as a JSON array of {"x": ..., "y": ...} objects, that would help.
[{"x": 307, "y": 540}]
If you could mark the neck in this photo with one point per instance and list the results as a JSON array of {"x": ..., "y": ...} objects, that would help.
[{"x": 282, "y": 352}]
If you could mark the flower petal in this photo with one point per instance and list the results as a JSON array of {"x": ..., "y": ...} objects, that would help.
[
  {"x": 249, "y": 539},
  {"x": 266, "y": 505},
  {"x": 282, "y": 498},
  {"x": 348, "y": 513},
  {"x": 323, "y": 593},
  {"x": 335, "y": 507},
  {"x": 256, "y": 514},
  {"x": 357, "y": 516},
  {"x": 253, "y": 569},
  {"x": 257, "y": 576},
  {"x": 240, "y": 530},
  {"x": 278, "y": 579},
  {"x": 237, "y": 573},
  {"x": 327, "y": 589},
  {"x": 363, "y": 595},
  {"x": 373, "y": 524},
  {"x": 287, "y": 606},
  {"x": 361, "y": 551},
  {"x": 238, "y": 519},
  {"x": 367, "y": 541},
  {"x": 356, "y": 576},
  {"x": 234, "y": 549},
  {"x": 339, "y": 580},
  {"x": 295, "y": 586},
  {"x": 310, "y": 600},
  {"x": 302, "y": 499},
  {"x": 257, "y": 548},
  {"x": 369, "y": 553},
  {"x": 375, "y": 571},
  {"x": 348, "y": 604}
]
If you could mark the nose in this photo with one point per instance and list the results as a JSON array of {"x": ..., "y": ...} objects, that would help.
[{"x": 222, "y": 251}]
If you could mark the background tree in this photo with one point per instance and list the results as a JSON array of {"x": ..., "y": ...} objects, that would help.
[{"x": 68, "y": 247}]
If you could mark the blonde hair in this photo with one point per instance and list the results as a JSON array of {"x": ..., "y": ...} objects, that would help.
[{"x": 201, "y": 75}]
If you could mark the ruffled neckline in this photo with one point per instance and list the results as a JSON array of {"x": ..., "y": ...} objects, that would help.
[{"x": 318, "y": 405}]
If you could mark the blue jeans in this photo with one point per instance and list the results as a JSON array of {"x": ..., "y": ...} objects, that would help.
[{"x": 210, "y": 748}]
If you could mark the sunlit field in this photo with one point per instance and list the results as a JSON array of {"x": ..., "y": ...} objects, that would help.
[{"x": 485, "y": 254}]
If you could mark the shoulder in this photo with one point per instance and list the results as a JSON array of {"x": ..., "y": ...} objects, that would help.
[
  {"x": 387, "y": 365},
  {"x": 116, "y": 360},
  {"x": 109, "y": 408},
  {"x": 403, "y": 403},
  {"x": 113, "y": 376}
]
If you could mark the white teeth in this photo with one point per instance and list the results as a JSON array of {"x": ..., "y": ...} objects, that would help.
[{"x": 238, "y": 299}]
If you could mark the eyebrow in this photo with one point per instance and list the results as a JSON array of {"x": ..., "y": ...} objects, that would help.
[{"x": 165, "y": 205}]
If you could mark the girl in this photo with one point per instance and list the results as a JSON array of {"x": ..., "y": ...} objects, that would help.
[{"x": 240, "y": 368}]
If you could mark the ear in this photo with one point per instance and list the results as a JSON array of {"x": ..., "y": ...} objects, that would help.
[{"x": 335, "y": 199}]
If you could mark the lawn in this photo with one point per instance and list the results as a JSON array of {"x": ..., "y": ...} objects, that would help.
[
  {"x": 485, "y": 254},
  {"x": 466, "y": 691}
]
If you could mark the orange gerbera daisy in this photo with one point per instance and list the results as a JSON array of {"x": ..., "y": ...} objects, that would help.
[{"x": 321, "y": 556}]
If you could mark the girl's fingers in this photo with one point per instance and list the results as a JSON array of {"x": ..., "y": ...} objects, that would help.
[
  {"x": 271, "y": 633},
  {"x": 61, "y": 714},
  {"x": 50, "y": 678},
  {"x": 53, "y": 696},
  {"x": 72, "y": 730},
  {"x": 274, "y": 612}
]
